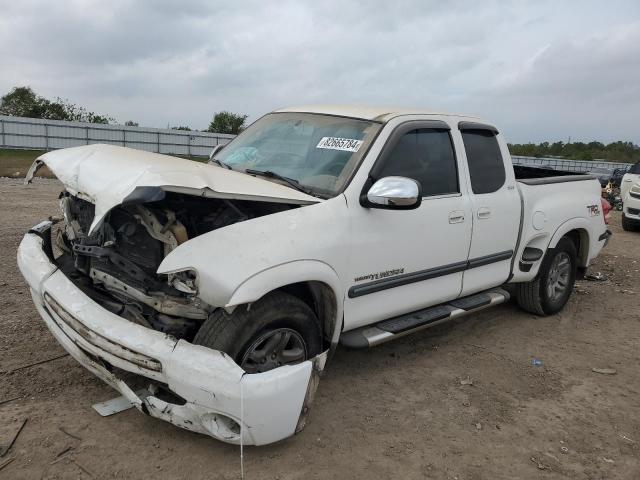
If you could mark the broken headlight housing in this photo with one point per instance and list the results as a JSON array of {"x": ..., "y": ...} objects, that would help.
[{"x": 185, "y": 281}]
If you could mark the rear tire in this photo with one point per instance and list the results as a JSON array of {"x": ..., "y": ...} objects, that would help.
[
  {"x": 629, "y": 225},
  {"x": 279, "y": 329},
  {"x": 549, "y": 292}
]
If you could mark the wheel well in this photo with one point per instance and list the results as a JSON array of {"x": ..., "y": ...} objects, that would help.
[
  {"x": 321, "y": 299},
  {"x": 580, "y": 239}
]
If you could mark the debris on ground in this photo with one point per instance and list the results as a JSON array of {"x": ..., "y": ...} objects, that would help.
[
  {"x": 596, "y": 277},
  {"x": 478, "y": 426},
  {"x": 564, "y": 450},
  {"x": 604, "y": 371},
  {"x": 539, "y": 464},
  {"x": 39, "y": 362},
  {"x": 2, "y": 402},
  {"x": 4, "y": 450},
  {"x": 536, "y": 362},
  {"x": 6, "y": 462},
  {"x": 608, "y": 460},
  {"x": 69, "y": 434},
  {"x": 466, "y": 381},
  {"x": 624, "y": 437}
]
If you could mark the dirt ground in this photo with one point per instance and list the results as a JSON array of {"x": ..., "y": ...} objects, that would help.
[{"x": 395, "y": 411}]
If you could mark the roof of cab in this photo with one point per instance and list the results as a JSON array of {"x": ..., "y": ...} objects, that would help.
[{"x": 380, "y": 114}]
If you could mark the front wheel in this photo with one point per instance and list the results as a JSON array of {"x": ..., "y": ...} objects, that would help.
[
  {"x": 550, "y": 290},
  {"x": 279, "y": 329}
]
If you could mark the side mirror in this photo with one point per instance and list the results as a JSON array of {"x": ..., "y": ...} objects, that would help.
[
  {"x": 400, "y": 193},
  {"x": 215, "y": 150}
]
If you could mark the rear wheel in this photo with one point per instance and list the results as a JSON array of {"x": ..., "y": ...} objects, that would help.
[
  {"x": 279, "y": 329},
  {"x": 550, "y": 290}
]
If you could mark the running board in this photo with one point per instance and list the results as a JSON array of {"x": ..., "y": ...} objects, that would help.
[{"x": 396, "y": 327}]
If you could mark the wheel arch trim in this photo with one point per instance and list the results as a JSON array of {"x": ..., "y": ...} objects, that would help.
[
  {"x": 299, "y": 271},
  {"x": 582, "y": 227}
]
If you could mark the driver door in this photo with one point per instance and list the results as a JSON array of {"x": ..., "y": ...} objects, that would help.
[{"x": 405, "y": 260}]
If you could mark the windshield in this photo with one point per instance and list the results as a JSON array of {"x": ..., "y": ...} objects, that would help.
[{"x": 319, "y": 152}]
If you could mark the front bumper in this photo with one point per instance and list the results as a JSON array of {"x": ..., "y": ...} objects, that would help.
[{"x": 221, "y": 399}]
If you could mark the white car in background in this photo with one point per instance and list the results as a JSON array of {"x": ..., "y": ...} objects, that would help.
[
  {"x": 630, "y": 193},
  {"x": 225, "y": 286}
]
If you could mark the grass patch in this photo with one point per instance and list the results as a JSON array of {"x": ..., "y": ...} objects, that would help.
[{"x": 15, "y": 163}]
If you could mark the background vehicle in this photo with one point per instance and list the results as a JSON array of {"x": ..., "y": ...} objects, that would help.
[
  {"x": 227, "y": 284},
  {"x": 604, "y": 175},
  {"x": 630, "y": 193}
]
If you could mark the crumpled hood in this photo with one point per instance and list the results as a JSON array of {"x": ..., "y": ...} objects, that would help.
[{"x": 106, "y": 174}]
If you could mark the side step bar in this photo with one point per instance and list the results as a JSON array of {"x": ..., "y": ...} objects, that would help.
[{"x": 402, "y": 325}]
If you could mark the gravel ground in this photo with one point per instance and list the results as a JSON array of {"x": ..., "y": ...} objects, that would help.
[{"x": 396, "y": 411}]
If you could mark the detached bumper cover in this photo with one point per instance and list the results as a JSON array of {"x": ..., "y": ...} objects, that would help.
[{"x": 221, "y": 399}]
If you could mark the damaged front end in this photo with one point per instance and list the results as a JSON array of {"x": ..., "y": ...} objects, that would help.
[
  {"x": 94, "y": 280},
  {"x": 116, "y": 263}
]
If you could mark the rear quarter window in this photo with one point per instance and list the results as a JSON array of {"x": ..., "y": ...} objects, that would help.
[{"x": 486, "y": 166}]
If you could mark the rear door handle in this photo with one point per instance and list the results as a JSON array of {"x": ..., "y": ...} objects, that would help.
[
  {"x": 484, "y": 212},
  {"x": 457, "y": 216}
]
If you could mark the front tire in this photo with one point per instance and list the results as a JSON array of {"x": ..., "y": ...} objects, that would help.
[
  {"x": 279, "y": 329},
  {"x": 549, "y": 292}
]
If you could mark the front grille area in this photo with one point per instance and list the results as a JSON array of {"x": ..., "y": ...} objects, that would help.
[
  {"x": 634, "y": 211},
  {"x": 98, "y": 340}
]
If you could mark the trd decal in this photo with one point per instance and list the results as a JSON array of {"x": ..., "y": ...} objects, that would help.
[
  {"x": 594, "y": 210},
  {"x": 379, "y": 275}
]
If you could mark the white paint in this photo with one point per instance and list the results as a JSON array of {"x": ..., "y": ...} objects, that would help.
[
  {"x": 630, "y": 183},
  {"x": 106, "y": 174},
  {"x": 330, "y": 241}
]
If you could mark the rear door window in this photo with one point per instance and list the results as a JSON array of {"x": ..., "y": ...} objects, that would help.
[{"x": 486, "y": 166}]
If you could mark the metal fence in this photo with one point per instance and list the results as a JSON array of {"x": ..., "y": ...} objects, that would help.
[
  {"x": 581, "y": 166},
  {"x": 37, "y": 134}
]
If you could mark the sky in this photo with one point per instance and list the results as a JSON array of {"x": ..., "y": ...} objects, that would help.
[{"x": 540, "y": 70}]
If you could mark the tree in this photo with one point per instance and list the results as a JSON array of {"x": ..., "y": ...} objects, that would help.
[
  {"x": 21, "y": 102},
  {"x": 24, "y": 102},
  {"x": 181, "y": 127},
  {"x": 227, "y": 122},
  {"x": 130, "y": 123}
]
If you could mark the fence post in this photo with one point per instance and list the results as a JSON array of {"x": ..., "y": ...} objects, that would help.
[
  {"x": 158, "y": 142},
  {"x": 2, "y": 126},
  {"x": 189, "y": 146},
  {"x": 124, "y": 137},
  {"x": 86, "y": 134},
  {"x": 46, "y": 137}
]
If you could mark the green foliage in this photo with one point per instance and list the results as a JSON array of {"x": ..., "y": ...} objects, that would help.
[
  {"x": 614, "y": 152},
  {"x": 227, "y": 122},
  {"x": 181, "y": 127},
  {"x": 130, "y": 123},
  {"x": 24, "y": 102}
]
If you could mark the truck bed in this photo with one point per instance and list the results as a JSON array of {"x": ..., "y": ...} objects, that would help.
[{"x": 545, "y": 176}]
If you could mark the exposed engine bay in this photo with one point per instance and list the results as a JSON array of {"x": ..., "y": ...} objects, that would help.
[{"x": 116, "y": 264}]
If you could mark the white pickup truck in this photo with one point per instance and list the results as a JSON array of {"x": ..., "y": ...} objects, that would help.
[
  {"x": 223, "y": 287},
  {"x": 630, "y": 193}
]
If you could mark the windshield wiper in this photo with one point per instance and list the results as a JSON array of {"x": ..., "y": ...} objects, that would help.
[
  {"x": 270, "y": 174},
  {"x": 220, "y": 163}
]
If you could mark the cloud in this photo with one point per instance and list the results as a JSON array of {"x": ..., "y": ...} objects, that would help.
[{"x": 541, "y": 70}]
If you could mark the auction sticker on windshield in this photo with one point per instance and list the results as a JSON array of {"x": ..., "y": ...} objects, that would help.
[{"x": 345, "y": 144}]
